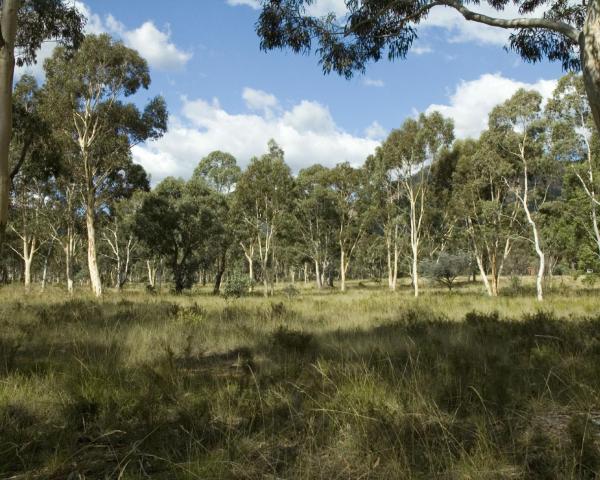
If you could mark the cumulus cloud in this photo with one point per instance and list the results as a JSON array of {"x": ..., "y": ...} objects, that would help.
[
  {"x": 153, "y": 44},
  {"x": 259, "y": 100},
  {"x": 472, "y": 101},
  {"x": 307, "y": 132}
]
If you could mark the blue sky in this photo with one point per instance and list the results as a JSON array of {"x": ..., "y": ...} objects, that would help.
[{"x": 223, "y": 92}]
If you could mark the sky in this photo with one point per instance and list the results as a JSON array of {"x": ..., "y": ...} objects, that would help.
[{"x": 224, "y": 93}]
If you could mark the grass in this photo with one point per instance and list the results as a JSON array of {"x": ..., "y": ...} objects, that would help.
[{"x": 367, "y": 384}]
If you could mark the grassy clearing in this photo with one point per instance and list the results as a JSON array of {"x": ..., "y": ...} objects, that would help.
[{"x": 366, "y": 384}]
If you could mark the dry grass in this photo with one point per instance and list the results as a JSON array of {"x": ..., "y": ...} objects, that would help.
[{"x": 367, "y": 384}]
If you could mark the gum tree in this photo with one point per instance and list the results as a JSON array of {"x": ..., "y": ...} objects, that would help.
[
  {"x": 262, "y": 199},
  {"x": 410, "y": 152},
  {"x": 85, "y": 94},
  {"x": 486, "y": 204},
  {"x": 574, "y": 140},
  {"x": 519, "y": 128}
]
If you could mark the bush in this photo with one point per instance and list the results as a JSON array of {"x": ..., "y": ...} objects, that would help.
[
  {"x": 446, "y": 268},
  {"x": 237, "y": 286}
]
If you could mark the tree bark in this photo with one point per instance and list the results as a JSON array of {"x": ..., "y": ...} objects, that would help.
[
  {"x": 220, "y": 272},
  {"x": 589, "y": 48},
  {"x": 8, "y": 28},
  {"x": 342, "y": 271},
  {"x": 90, "y": 220}
]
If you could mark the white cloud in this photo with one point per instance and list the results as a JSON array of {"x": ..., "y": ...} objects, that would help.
[
  {"x": 153, "y": 44},
  {"x": 370, "y": 82},
  {"x": 375, "y": 131},
  {"x": 472, "y": 101},
  {"x": 259, "y": 100},
  {"x": 307, "y": 133}
]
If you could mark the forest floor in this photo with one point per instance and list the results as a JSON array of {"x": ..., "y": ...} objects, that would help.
[{"x": 364, "y": 384}]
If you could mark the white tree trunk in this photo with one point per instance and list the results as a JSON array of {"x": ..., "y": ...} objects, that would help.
[
  {"x": 342, "y": 271},
  {"x": 415, "y": 267},
  {"x": 589, "y": 48},
  {"x": 483, "y": 274},
  {"x": 91, "y": 252}
]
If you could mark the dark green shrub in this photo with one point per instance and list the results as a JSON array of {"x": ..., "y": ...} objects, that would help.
[{"x": 237, "y": 286}]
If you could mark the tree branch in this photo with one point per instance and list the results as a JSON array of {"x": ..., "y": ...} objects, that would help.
[{"x": 548, "y": 24}]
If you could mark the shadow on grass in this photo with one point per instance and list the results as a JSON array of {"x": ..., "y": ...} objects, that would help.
[{"x": 418, "y": 397}]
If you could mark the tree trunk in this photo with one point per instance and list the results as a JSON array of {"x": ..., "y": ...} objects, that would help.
[
  {"x": 8, "y": 27},
  {"x": 415, "y": 263},
  {"x": 342, "y": 271},
  {"x": 318, "y": 277},
  {"x": 483, "y": 274},
  {"x": 494, "y": 273},
  {"x": 219, "y": 274},
  {"x": 539, "y": 252},
  {"x": 589, "y": 47},
  {"x": 90, "y": 221},
  {"x": 45, "y": 269},
  {"x": 27, "y": 271},
  {"x": 151, "y": 273}
]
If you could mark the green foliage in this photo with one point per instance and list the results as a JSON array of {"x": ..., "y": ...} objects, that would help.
[
  {"x": 219, "y": 170},
  {"x": 371, "y": 30},
  {"x": 237, "y": 285},
  {"x": 446, "y": 268},
  {"x": 41, "y": 21}
]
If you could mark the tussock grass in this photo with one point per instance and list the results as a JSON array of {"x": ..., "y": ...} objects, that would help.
[{"x": 369, "y": 384}]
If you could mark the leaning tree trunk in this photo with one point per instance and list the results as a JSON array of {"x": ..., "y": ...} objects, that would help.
[
  {"x": 589, "y": 47},
  {"x": 8, "y": 27}
]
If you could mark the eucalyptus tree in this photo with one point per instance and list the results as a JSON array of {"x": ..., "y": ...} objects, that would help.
[
  {"x": 24, "y": 26},
  {"x": 352, "y": 214},
  {"x": 175, "y": 221},
  {"x": 519, "y": 128},
  {"x": 262, "y": 199},
  {"x": 410, "y": 152},
  {"x": 28, "y": 224},
  {"x": 575, "y": 141},
  {"x": 85, "y": 93},
  {"x": 65, "y": 222},
  {"x": 315, "y": 212},
  {"x": 35, "y": 158},
  {"x": 385, "y": 191},
  {"x": 220, "y": 170},
  {"x": 119, "y": 235},
  {"x": 554, "y": 29},
  {"x": 486, "y": 204}
]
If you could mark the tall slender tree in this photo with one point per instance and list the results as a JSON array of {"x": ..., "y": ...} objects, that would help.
[{"x": 86, "y": 92}]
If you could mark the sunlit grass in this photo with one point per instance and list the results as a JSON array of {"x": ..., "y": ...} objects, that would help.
[{"x": 366, "y": 384}]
